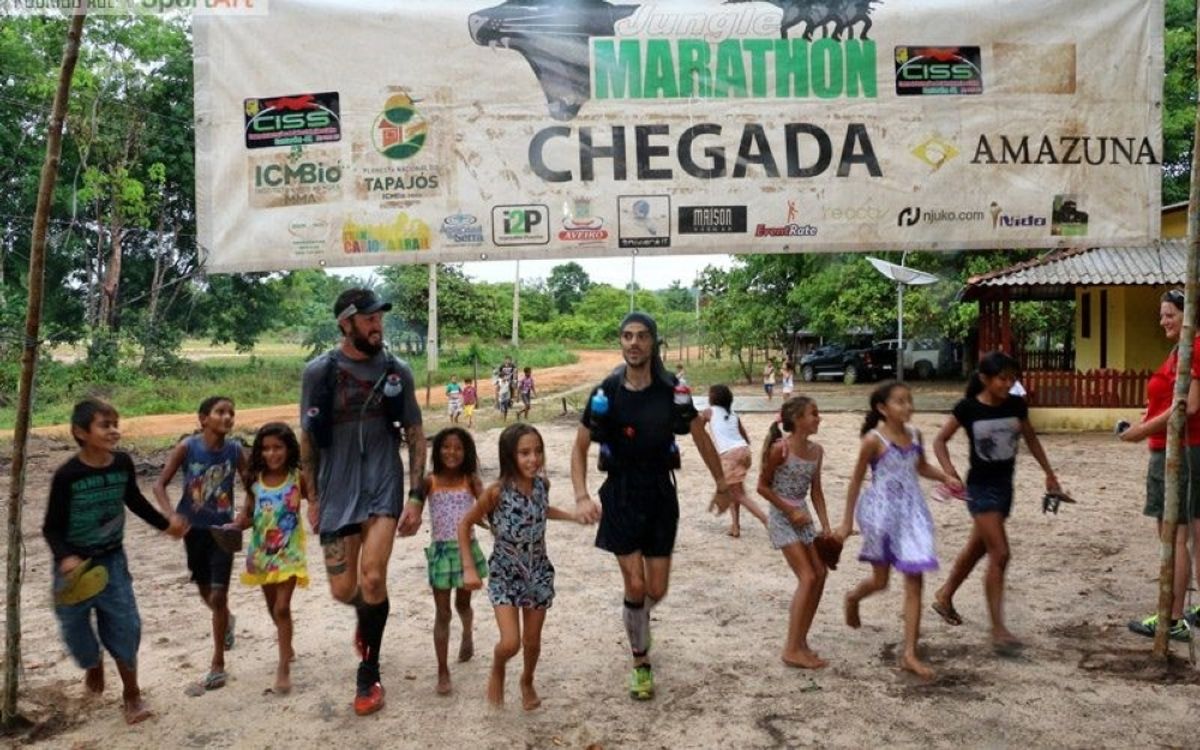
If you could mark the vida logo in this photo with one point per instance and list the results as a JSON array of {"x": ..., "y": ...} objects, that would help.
[{"x": 1029, "y": 220}]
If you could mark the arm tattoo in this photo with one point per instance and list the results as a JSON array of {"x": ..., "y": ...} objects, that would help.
[
  {"x": 335, "y": 557},
  {"x": 415, "y": 437}
]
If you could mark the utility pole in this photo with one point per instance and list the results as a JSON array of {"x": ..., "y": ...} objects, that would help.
[
  {"x": 516, "y": 329},
  {"x": 431, "y": 343}
]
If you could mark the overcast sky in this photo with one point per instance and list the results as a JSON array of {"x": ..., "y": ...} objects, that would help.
[{"x": 652, "y": 272}]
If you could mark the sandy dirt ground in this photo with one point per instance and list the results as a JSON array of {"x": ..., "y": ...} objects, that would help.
[{"x": 1075, "y": 578}]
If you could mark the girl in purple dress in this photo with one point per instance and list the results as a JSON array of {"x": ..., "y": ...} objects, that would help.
[{"x": 897, "y": 530}]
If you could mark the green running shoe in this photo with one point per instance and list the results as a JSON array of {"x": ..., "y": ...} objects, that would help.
[
  {"x": 1180, "y": 630},
  {"x": 1193, "y": 616},
  {"x": 641, "y": 683}
]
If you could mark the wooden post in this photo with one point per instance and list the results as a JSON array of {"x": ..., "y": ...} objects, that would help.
[
  {"x": 1175, "y": 425},
  {"x": 29, "y": 357}
]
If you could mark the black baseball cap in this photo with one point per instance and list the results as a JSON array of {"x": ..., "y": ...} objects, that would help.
[{"x": 358, "y": 302}]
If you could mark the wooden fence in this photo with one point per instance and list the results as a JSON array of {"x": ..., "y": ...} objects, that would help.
[
  {"x": 1032, "y": 359},
  {"x": 1094, "y": 388}
]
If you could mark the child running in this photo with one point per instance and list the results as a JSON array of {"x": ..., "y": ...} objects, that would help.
[
  {"x": 275, "y": 557},
  {"x": 527, "y": 392},
  {"x": 454, "y": 399},
  {"x": 450, "y": 491},
  {"x": 732, "y": 442},
  {"x": 522, "y": 579},
  {"x": 470, "y": 397},
  {"x": 791, "y": 468},
  {"x": 85, "y": 528},
  {"x": 994, "y": 421},
  {"x": 211, "y": 463},
  {"x": 897, "y": 529}
]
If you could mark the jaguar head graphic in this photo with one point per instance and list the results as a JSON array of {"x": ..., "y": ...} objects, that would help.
[{"x": 553, "y": 36}]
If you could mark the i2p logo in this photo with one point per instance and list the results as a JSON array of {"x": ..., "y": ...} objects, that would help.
[{"x": 520, "y": 225}]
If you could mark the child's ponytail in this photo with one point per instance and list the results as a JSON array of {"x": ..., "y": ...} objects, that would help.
[
  {"x": 774, "y": 433},
  {"x": 879, "y": 397}
]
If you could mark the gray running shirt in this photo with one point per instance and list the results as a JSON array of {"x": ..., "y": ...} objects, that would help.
[{"x": 361, "y": 473}]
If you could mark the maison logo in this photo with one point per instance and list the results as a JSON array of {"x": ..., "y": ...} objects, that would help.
[
  {"x": 712, "y": 219},
  {"x": 575, "y": 54},
  {"x": 293, "y": 120},
  {"x": 926, "y": 71},
  {"x": 935, "y": 151},
  {"x": 399, "y": 131}
]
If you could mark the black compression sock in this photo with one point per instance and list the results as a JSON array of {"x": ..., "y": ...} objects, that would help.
[{"x": 372, "y": 619}]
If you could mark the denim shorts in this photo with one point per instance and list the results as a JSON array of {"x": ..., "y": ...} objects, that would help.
[
  {"x": 210, "y": 565},
  {"x": 990, "y": 498},
  {"x": 117, "y": 620}
]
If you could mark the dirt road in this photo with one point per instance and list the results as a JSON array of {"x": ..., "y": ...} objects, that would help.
[{"x": 591, "y": 366}]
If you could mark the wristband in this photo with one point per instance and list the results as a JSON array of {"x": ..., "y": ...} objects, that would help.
[{"x": 416, "y": 496}]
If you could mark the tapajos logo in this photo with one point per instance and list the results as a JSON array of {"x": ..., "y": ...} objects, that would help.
[
  {"x": 293, "y": 120},
  {"x": 399, "y": 131},
  {"x": 575, "y": 55}
]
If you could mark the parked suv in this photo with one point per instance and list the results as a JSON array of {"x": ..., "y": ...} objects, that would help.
[
  {"x": 851, "y": 365},
  {"x": 922, "y": 356}
]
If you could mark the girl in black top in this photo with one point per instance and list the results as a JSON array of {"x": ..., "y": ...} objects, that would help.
[{"x": 994, "y": 421}]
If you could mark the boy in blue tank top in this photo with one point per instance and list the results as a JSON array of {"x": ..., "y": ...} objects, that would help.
[{"x": 211, "y": 465}]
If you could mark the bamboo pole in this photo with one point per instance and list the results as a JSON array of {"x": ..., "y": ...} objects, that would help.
[
  {"x": 29, "y": 356},
  {"x": 1175, "y": 425}
]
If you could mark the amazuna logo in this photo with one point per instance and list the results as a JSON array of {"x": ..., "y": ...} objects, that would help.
[{"x": 399, "y": 131}]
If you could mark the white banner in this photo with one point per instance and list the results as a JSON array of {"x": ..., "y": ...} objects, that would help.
[{"x": 345, "y": 133}]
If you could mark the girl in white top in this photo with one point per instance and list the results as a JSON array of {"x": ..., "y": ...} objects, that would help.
[
  {"x": 732, "y": 442},
  {"x": 789, "y": 379}
]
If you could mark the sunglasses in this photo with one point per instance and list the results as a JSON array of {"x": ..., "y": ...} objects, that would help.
[{"x": 1175, "y": 297}]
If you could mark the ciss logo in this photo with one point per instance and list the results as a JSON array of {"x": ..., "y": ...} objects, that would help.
[
  {"x": 931, "y": 71},
  {"x": 400, "y": 130},
  {"x": 520, "y": 225},
  {"x": 293, "y": 120}
]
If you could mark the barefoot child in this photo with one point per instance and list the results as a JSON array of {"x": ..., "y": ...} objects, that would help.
[
  {"x": 522, "y": 579},
  {"x": 275, "y": 556},
  {"x": 994, "y": 421},
  {"x": 450, "y": 491},
  {"x": 897, "y": 529},
  {"x": 527, "y": 391},
  {"x": 791, "y": 467},
  {"x": 85, "y": 528},
  {"x": 211, "y": 463},
  {"x": 454, "y": 399},
  {"x": 470, "y": 396},
  {"x": 732, "y": 442}
]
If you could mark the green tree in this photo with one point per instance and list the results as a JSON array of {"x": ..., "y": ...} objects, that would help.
[{"x": 567, "y": 284}]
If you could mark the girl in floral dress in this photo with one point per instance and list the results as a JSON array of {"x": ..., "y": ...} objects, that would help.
[
  {"x": 275, "y": 557},
  {"x": 897, "y": 529}
]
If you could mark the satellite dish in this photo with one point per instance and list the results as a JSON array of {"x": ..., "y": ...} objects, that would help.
[{"x": 903, "y": 274}]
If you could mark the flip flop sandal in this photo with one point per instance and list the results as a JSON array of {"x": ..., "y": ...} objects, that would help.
[
  {"x": 82, "y": 583},
  {"x": 1008, "y": 649},
  {"x": 211, "y": 681},
  {"x": 228, "y": 538},
  {"x": 948, "y": 613}
]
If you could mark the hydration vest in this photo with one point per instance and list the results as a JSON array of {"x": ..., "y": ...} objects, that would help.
[{"x": 318, "y": 420}]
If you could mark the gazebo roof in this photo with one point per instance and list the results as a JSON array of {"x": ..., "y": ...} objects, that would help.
[{"x": 1058, "y": 273}]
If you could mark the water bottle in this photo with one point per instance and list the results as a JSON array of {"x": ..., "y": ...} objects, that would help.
[
  {"x": 599, "y": 403},
  {"x": 393, "y": 385}
]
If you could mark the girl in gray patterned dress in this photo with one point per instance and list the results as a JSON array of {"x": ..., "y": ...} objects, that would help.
[
  {"x": 521, "y": 578},
  {"x": 791, "y": 469},
  {"x": 897, "y": 530}
]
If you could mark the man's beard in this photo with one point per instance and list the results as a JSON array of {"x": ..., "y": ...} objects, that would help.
[{"x": 365, "y": 346}]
